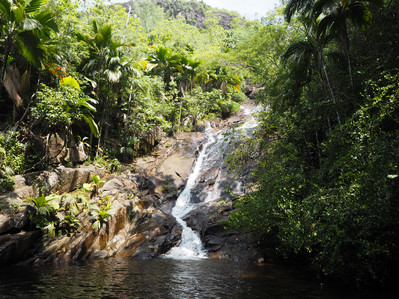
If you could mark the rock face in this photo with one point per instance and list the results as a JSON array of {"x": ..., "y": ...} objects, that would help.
[
  {"x": 137, "y": 228},
  {"x": 62, "y": 148},
  {"x": 58, "y": 180},
  {"x": 209, "y": 221},
  {"x": 141, "y": 225}
]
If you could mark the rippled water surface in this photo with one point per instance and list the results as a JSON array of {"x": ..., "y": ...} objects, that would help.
[
  {"x": 157, "y": 278},
  {"x": 160, "y": 278}
]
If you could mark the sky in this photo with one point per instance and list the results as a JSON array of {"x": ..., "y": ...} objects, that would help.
[{"x": 250, "y": 9}]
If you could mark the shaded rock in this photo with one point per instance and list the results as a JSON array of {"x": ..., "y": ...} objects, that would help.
[
  {"x": 168, "y": 201},
  {"x": 57, "y": 148},
  {"x": 203, "y": 185},
  {"x": 13, "y": 223},
  {"x": 77, "y": 154},
  {"x": 208, "y": 220},
  {"x": 153, "y": 235},
  {"x": 63, "y": 148},
  {"x": 146, "y": 183},
  {"x": 14, "y": 248}
]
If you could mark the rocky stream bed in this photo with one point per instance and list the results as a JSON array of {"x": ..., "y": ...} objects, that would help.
[{"x": 142, "y": 197}]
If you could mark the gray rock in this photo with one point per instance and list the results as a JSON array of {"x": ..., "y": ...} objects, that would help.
[{"x": 112, "y": 186}]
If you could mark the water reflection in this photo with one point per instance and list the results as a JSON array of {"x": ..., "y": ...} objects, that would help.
[{"x": 161, "y": 278}]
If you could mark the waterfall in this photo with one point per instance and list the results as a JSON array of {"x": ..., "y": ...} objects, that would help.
[
  {"x": 211, "y": 155},
  {"x": 190, "y": 246}
]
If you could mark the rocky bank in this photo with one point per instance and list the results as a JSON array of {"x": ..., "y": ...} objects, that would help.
[{"x": 141, "y": 200}]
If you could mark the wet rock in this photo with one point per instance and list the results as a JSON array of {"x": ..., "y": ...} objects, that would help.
[
  {"x": 204, "y": 183},
  {"x": 168, "y": 201},
  {"x": 13, "y": 223},
  {"x": 146, "y": 183},
  {"x": 14, "y": 248},
  {"x": 101, "y": 254},
  {"x": 208, "y": 220},
  {"x": 152, "y": 236}
]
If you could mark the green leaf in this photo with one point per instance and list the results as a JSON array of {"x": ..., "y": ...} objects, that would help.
[
  {"x": 88, "y": 187},
  {"x": 34, "y": 6},
  {"x": 92, "y": 124},
  {"x": 70, "y": 81},
  {"x": 30, "y": 24},
  {"x": 96, "y": 179},
  {"x": 96, "y": 225}
]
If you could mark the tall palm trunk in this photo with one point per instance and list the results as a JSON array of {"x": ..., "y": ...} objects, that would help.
[
  {"x": 314, "y": 121},
  {"x": 345, "y": 44},
  {"x": 323, "y": 65}
]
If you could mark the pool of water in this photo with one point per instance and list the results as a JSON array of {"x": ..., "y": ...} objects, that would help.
[{"x": 159, "y": 278}]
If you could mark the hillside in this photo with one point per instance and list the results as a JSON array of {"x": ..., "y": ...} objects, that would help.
[{"x": 193, "y": 12}]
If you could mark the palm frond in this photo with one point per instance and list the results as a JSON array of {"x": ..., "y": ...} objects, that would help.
[{"x": 34, "y": 6}]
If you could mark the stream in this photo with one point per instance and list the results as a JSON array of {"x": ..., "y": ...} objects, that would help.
[{"x": 185, "y": 271}]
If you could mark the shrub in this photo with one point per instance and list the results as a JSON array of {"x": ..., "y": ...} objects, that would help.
[
  {"x": 59, "y": 108},
  {"x": 238, "y": 97},
  {"x": 229, "y": 107}
]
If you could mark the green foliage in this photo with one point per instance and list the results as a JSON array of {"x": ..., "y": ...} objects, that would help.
[
  {"x": 6, "y": 183},
  {"x": 45, "y": 210},
  {"x": 149, "y": 13},
  {"x": 69, "y": 224},
  {"x": 101, "y": 213},
  {"x": 325, "y": 159},
  {"x": 12, "y": 154},
  {"x": 12, "y": 160},
  {"x": 60, "y": 108},
  {"x": 238, "y": 97},
  {"x": 229, "y": 107}
]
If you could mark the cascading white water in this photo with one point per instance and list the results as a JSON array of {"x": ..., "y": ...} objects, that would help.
[{"x": 190, "y": 246}]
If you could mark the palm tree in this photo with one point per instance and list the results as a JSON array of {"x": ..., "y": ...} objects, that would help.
[
  {"x": 104, "y": 61},
  {"x": 187, "y": 69},
  {"x": 297, "y": 6},
  {"x": 336, "y": 15},
  {"x": 164, "y": 62},
  {"x": 26, "y": 27},
  {"x": 308, "y": 55}
]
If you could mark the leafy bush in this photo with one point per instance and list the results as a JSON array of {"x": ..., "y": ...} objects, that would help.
[
  {"x": 12, "y": 160},
  {"x": 229, "y": 107},
  {"x": 6, "y": 183},
  {"x": 12, "y": 154},
  {"x": 239, "y": 97},
  {"x": 343, "y": 215},
  {"x": 45, "y": 210},
  {"x": 59, "y": 108},
  {"x": 101, "y": 213}
]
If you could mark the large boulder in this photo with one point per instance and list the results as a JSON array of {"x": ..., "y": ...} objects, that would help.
[
  {"x": 16, "y": 247},
  {"x": 208, "y": 219}
]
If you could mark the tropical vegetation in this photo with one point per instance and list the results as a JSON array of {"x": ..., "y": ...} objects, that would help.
[{"x": 324, "y": 160}]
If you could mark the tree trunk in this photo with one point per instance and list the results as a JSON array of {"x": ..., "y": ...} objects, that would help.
[
  {"x": 330, "y": 88},
  {"x": 345, "y": 44},
  {"x": 314, "y": 122},
  {"x": 103, "y": 118}
]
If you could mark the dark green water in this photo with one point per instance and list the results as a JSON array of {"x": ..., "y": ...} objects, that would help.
[{"x": 161, "y": 278}]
